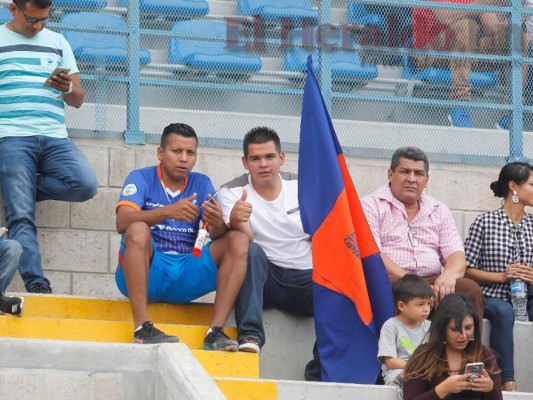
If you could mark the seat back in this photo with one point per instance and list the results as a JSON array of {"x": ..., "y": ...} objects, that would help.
[
  {"x": 344, "y": 63},
  {"x": 210, "y": 53},
  {"x": 180, "y": 49},
  {"x": 180, "y": 7},
  {"x": 296, "y": 11},
  {"x": 104, "y": 47},
  {"x": 80, "y": 3},
  {"x": 5, "y": 15},
  {"x": 251, "y": 7}
]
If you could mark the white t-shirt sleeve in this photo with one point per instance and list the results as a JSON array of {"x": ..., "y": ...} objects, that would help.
[
  {"x": 387, "y": 341},
  {"x": 227, "y": 199}
]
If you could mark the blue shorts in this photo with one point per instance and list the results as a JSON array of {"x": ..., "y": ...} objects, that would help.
[{"x": 175, "y": 278}]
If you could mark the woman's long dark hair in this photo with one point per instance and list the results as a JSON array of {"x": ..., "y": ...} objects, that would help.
[{"x": 429, "y": 360}]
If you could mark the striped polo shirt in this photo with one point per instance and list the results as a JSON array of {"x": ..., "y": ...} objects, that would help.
[{"x": 27, "y": 107}]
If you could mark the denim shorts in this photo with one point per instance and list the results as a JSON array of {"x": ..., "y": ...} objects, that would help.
[{"x": 175, "y": 278}]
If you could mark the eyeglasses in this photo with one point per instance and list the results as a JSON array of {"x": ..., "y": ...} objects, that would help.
[
  {"x": 411, "y": 235},
  {"x": 32, "y": 20}
]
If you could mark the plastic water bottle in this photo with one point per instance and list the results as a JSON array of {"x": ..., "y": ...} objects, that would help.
[
  {"x": 200, "y": 241},
  {"x": 519, "y": 299}
]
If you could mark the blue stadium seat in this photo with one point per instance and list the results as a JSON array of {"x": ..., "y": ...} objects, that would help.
[
  {"x": 345, "y": 64},
  {"x": 80, "y": 3},
  {"x": 357, "y": 14},
  {"x": 441, "y": 76},
  {"x": 179, "y": 7},
  {"x": 5, "y": 15},
  {"x": 209, "y": 55},
  {"x": 99, "y": 47},
  {"x": 275, "y": 10}
]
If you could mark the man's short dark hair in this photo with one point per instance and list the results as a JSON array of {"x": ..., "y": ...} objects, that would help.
[
  {"x": 179, "y": 129},
  {"x": 42, "y": 4},
  {"x": 260, "y": 135},
  {"x": 410, "y": 153},
  {"x": 410, "y": 286}
]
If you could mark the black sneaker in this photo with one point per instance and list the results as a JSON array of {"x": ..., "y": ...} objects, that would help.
[
  {"x": 12, "y": 305},
  {"x": 40, "y": 288},
  {"x": 148, "y": 334},
  {"x": 249, "y": 344},
  {"x": 216, "y": 339}
]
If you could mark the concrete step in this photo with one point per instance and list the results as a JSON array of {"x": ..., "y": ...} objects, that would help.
[
  {"x": 215, "y": 362},
  {"x": 95, "y": 330},
  {"x": 51, "y": 306}
]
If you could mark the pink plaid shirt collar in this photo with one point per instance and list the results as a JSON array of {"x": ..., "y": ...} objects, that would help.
[{"x": 427, "y": 203}]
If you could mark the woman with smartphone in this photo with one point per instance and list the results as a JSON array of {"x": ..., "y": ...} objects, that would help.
[
  {"x": 499, "y": 249},
  {"x": 438, "y": 369}
]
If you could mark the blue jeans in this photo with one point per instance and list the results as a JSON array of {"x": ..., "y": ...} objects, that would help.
[
  {"x": 268, "y": 286},
  {"x": 37, "y": 168},
  {"x": 501, "y": 316},
  {"x": 10, "y": 251}
]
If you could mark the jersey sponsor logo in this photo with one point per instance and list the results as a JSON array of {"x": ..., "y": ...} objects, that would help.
[
  {"x": 294, "y": 210},
  {"x": 154, "y": 205},
  {"x": 129, "y": 190},
  {"x": 171, "y": 229}
]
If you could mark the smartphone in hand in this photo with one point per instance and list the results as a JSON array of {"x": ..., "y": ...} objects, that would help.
[
  {"x": 475, "y": 368},
  {"x": 56, "y": 71}
]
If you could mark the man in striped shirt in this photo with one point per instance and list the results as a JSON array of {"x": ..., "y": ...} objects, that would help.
[
  {"x": 415, "y": 232},
  {"x": 37, "y": 160}
]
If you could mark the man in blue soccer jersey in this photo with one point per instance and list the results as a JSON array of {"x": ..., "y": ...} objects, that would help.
[
  {"x": 158, "y": 213},
  {"x": 37, "y": 160}
]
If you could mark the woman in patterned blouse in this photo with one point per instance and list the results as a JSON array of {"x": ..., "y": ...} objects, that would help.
[{"x": 499, "y": 248}]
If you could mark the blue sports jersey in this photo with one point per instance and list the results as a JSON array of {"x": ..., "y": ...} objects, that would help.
[{"x": 143, "y": 190}]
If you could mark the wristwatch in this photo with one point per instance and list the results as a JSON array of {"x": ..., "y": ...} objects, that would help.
[{"x": 70, "y": 88}]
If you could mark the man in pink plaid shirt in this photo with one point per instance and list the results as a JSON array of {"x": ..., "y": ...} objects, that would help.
[{"x": 416, "y": 232}]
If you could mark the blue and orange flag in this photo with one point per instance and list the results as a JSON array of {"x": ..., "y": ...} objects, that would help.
[{"x": 352, "y": 295}]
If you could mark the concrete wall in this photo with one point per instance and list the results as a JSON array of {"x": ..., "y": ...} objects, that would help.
[
  {"x": 58, "y": 370},
  {"x": 290, "y": 341},
  {"x": 78, "y": 240}
]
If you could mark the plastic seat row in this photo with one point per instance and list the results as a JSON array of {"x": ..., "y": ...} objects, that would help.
[
  {"x": 181, "y": 7},
  {"x": 270, "y": 10},
  {"x": 198, "y": 54},
  {"x": 378, "y": 16},
  {"x": 201, "y": 54},
  {"x": 5, "y": 15}
]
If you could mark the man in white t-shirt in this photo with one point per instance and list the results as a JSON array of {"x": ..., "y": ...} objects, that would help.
[{"x": 263, "y": 204}]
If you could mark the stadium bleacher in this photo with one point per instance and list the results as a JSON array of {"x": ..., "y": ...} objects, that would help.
[
  {"x": 85, "y": 4},
  {"x": 442, "y": 76},
  {"x": 100, "y": 48},
  {"x": 5, "y": 15},
  {"x": 345, "y": 63},
  {"x": 172, "y": 7},
  {"x": 211, "y": 56},
  {"x": 184, "y": 64},
  {"x": 297, "y": 11}
]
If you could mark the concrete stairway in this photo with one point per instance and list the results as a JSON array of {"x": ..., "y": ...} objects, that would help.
[
  {"x": 98, "y": 320},
  {"x": 54, "y": 347}
]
